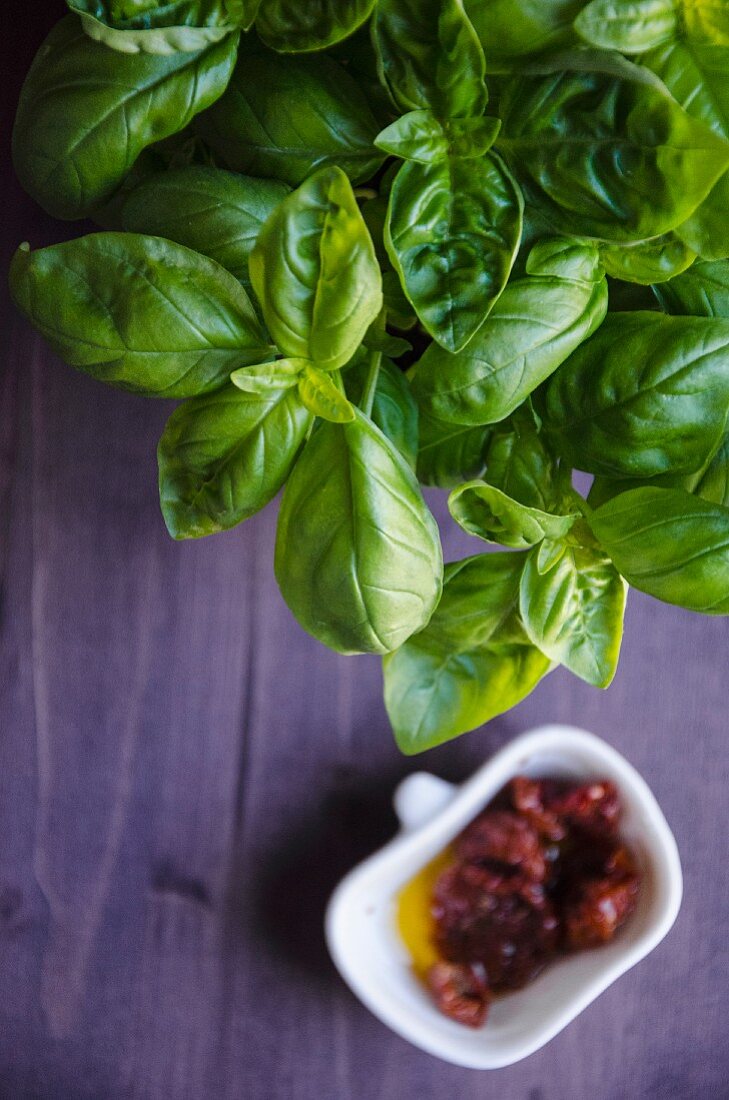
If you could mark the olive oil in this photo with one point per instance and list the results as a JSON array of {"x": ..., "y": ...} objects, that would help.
[{"x": 414, "y": 917}]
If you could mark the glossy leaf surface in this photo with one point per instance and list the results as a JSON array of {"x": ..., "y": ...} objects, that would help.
[
  {"x": 702, "y": 291},
  {"x": 159, "y": 27},
  {"x": 393, "y": 408},
  {"x": 291, "y": 26},
  {"x": 631, "y": 26},
  {"x": 489, "y": 514}
]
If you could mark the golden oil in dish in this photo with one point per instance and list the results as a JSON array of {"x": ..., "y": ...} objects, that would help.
[{"x": 413, "y": 913}]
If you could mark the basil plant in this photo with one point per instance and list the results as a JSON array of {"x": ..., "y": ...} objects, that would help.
[{"x": 372, "y": 246}]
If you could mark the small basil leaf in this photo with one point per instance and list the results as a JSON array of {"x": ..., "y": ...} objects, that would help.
[
  {"x": 86, "y": 113},
  {"x": 510, "y": 30},
  {"x": 484, "y": 511},
  {"x": 449, "y": 453},
  {"x": 267, "y": 378},
  {"x": 284, "y": 117},
  {"x": 548, "y": 553},
  {"x": 393, "y": 409},
  {"x": 417, "y": 136},
  {"x": 630, "y": 26},
  {"x": 452, "y": 234},
  {"x": 161, "y": 28},
  {"x": 292, "y": 27},
  {"x": 224, "y": 456},
  {"x": 573, "y": 610},
  {"x": 315, "y": 272},
  {"x": 429, "y": 57},
  {"x": 322, "y": 397},
  {"x": 519, "y": 463},
  {"x": 585, "y": 187},
  {"x": 393, "y": 346},
  {"x": 141, "y": 313},
  {"x": 608, "y": 418},
  {"x": 471, "y": 663},
  {"x": 533, "y": 327},
  {"x": 702, "y": 291},
  {"x": 358, "y": 557},
  {"x": 647, "y": 262},
  {"x": 214, "y": 212},
  {"x": 669, "y": 544}
]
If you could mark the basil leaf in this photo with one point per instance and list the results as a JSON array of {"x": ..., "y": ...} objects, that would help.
[
  {"x": 574, "y": 161},
  {"x": 669, "y": 544},
  {"x": 315, "y": 272},
  {"x": 449, "y": 453},
  {"x": 471, "y": 663},
  {"x": 533, "y": 327},
  {"x": 630, "y": 26},
  {"x": 358, "y": 558},
  {"x": 452, "y": 233},
  {"x": 706, "y": 21},
  {"x": 429, "y": 56},
  {"x": 484, "y": 511},
  {"x": 510, "y": 30},
  {"x": 420, "y": 136},
  {"x": 214, "y": 212},
  {"x": 292, "y": 27},
  {"x": 224, "y": 456},
  {"x": 268, "y": 378},
  {"x": 647, "y": 262},
  {"x": 573, "y": 611},
  {"x": 702, "y": 291},
  {"x": 713, "y": 485},
  {"x": 608, "y": 418},
  {"x": 696, "y": 75},
  {"x": 285, "y": 117},
  {"x": 159, "y": 27},
  {"x": 393, "y": 409},
  {"x": 322, "y": 397},
  {"x": 518, "y": 463},
  {"x": 86, "y": 113},
  {"x": 138, "y": 312}
]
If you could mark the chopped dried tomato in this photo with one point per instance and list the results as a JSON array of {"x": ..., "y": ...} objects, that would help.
[
  {"x": 503, "y": 839},
  {"x": 460, "y": 991}
]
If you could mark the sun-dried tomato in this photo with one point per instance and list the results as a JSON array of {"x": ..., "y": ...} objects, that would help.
[
  {"x": 598, "y": 908},
  {"x": 504, "y": 840},
  {"x": 460, "y": 991}
]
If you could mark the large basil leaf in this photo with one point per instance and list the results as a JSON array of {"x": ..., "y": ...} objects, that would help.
[
  {"x": 573, "y": 611},
  {"x": 162, "y": 27},
  {"x": 603, "y": 149},
  {"x": 647, "y": 262},
  {"x": 607, "y": 417},
  {"x": 393, "y": 408},
  {"x": 511, "y": 30},
  {"x": 86, "y": 113},
  {"x": 489, "y": 514},
  {"x": 472, "y": 662},
  {"x": 703, "y": 291},
  {"x": 138, "y": 312},
  {"x": 224, "y": 456},
  {"x": 287, "y": 116},
  {"x": 449, "y": 453},
  {"x": 358, "y": 557},
  {"x": 533, "y": 327},
  {"x": 429, "y": 57},
  {"x": 706, "y": 21},
  {"x": 696, "y": 75},
  {"x": 315, "y": 272},
  {"x": 212, "y": 211},
  {"x": 292, "y": 27},
  {"x": 452, "y": 233},
  {"x": 713, "y": 484},
  {"x": 670, "y": 544},
  {"x": 630, "y": 26}
]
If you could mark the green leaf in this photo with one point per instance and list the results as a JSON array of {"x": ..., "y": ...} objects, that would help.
[
  {"x": 214, "y": 212},
  {"x": 322, "y": 397},
  {"x": 285, "y": 117},
  {"x": 429, "y": 57},
  {"x": 224, "y": 456},
  {"x": 292, "y": 27},
  {"x": 452, "y": 233},
  {"x": 315, "y": 272},
  {"x": 420, "y": 136},
  {"x": 471, "y": 663},
  {"x": 393, "y": 409},
  {"x": 449, "y": 453},
  {"x": 267, "y": 378},
  {"x": 358, "y": 558},
  {"x": 573, "y": 609},
  {"x": 86, "y": 113},
  {"x": 713, "y": 485},
  {"x": 696, "y": 75},
  {"x": 603, "y": 150},
  {"x": 141, "y": 313},
  {"x": 533, "y": 327},
  {"x": 159, "y": 27},
  {"x": 519, "y": 463},
  {"x": 669, "y": 544},
  {"x": 706, "y": 21},
  {"x": 630, "y": 26},
  {"x": 510, "y": 30},
  {"x": 702, "y": 291},
  {"x": 484, "y": 511},
  {"x": 607, "y": 417},
  {"x": 647, "y": 262}
]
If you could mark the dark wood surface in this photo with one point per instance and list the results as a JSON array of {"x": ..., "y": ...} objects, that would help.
[{"x": 184, "y": 776}]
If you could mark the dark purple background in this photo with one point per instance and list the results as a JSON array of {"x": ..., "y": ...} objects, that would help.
[{"x": 184, "y": 776}]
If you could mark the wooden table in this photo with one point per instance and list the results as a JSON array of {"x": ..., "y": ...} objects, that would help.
[{"x": 185, "y": 775}]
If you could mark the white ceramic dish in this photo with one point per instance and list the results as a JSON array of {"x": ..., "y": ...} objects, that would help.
[{"x": 366, "y": 947}]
